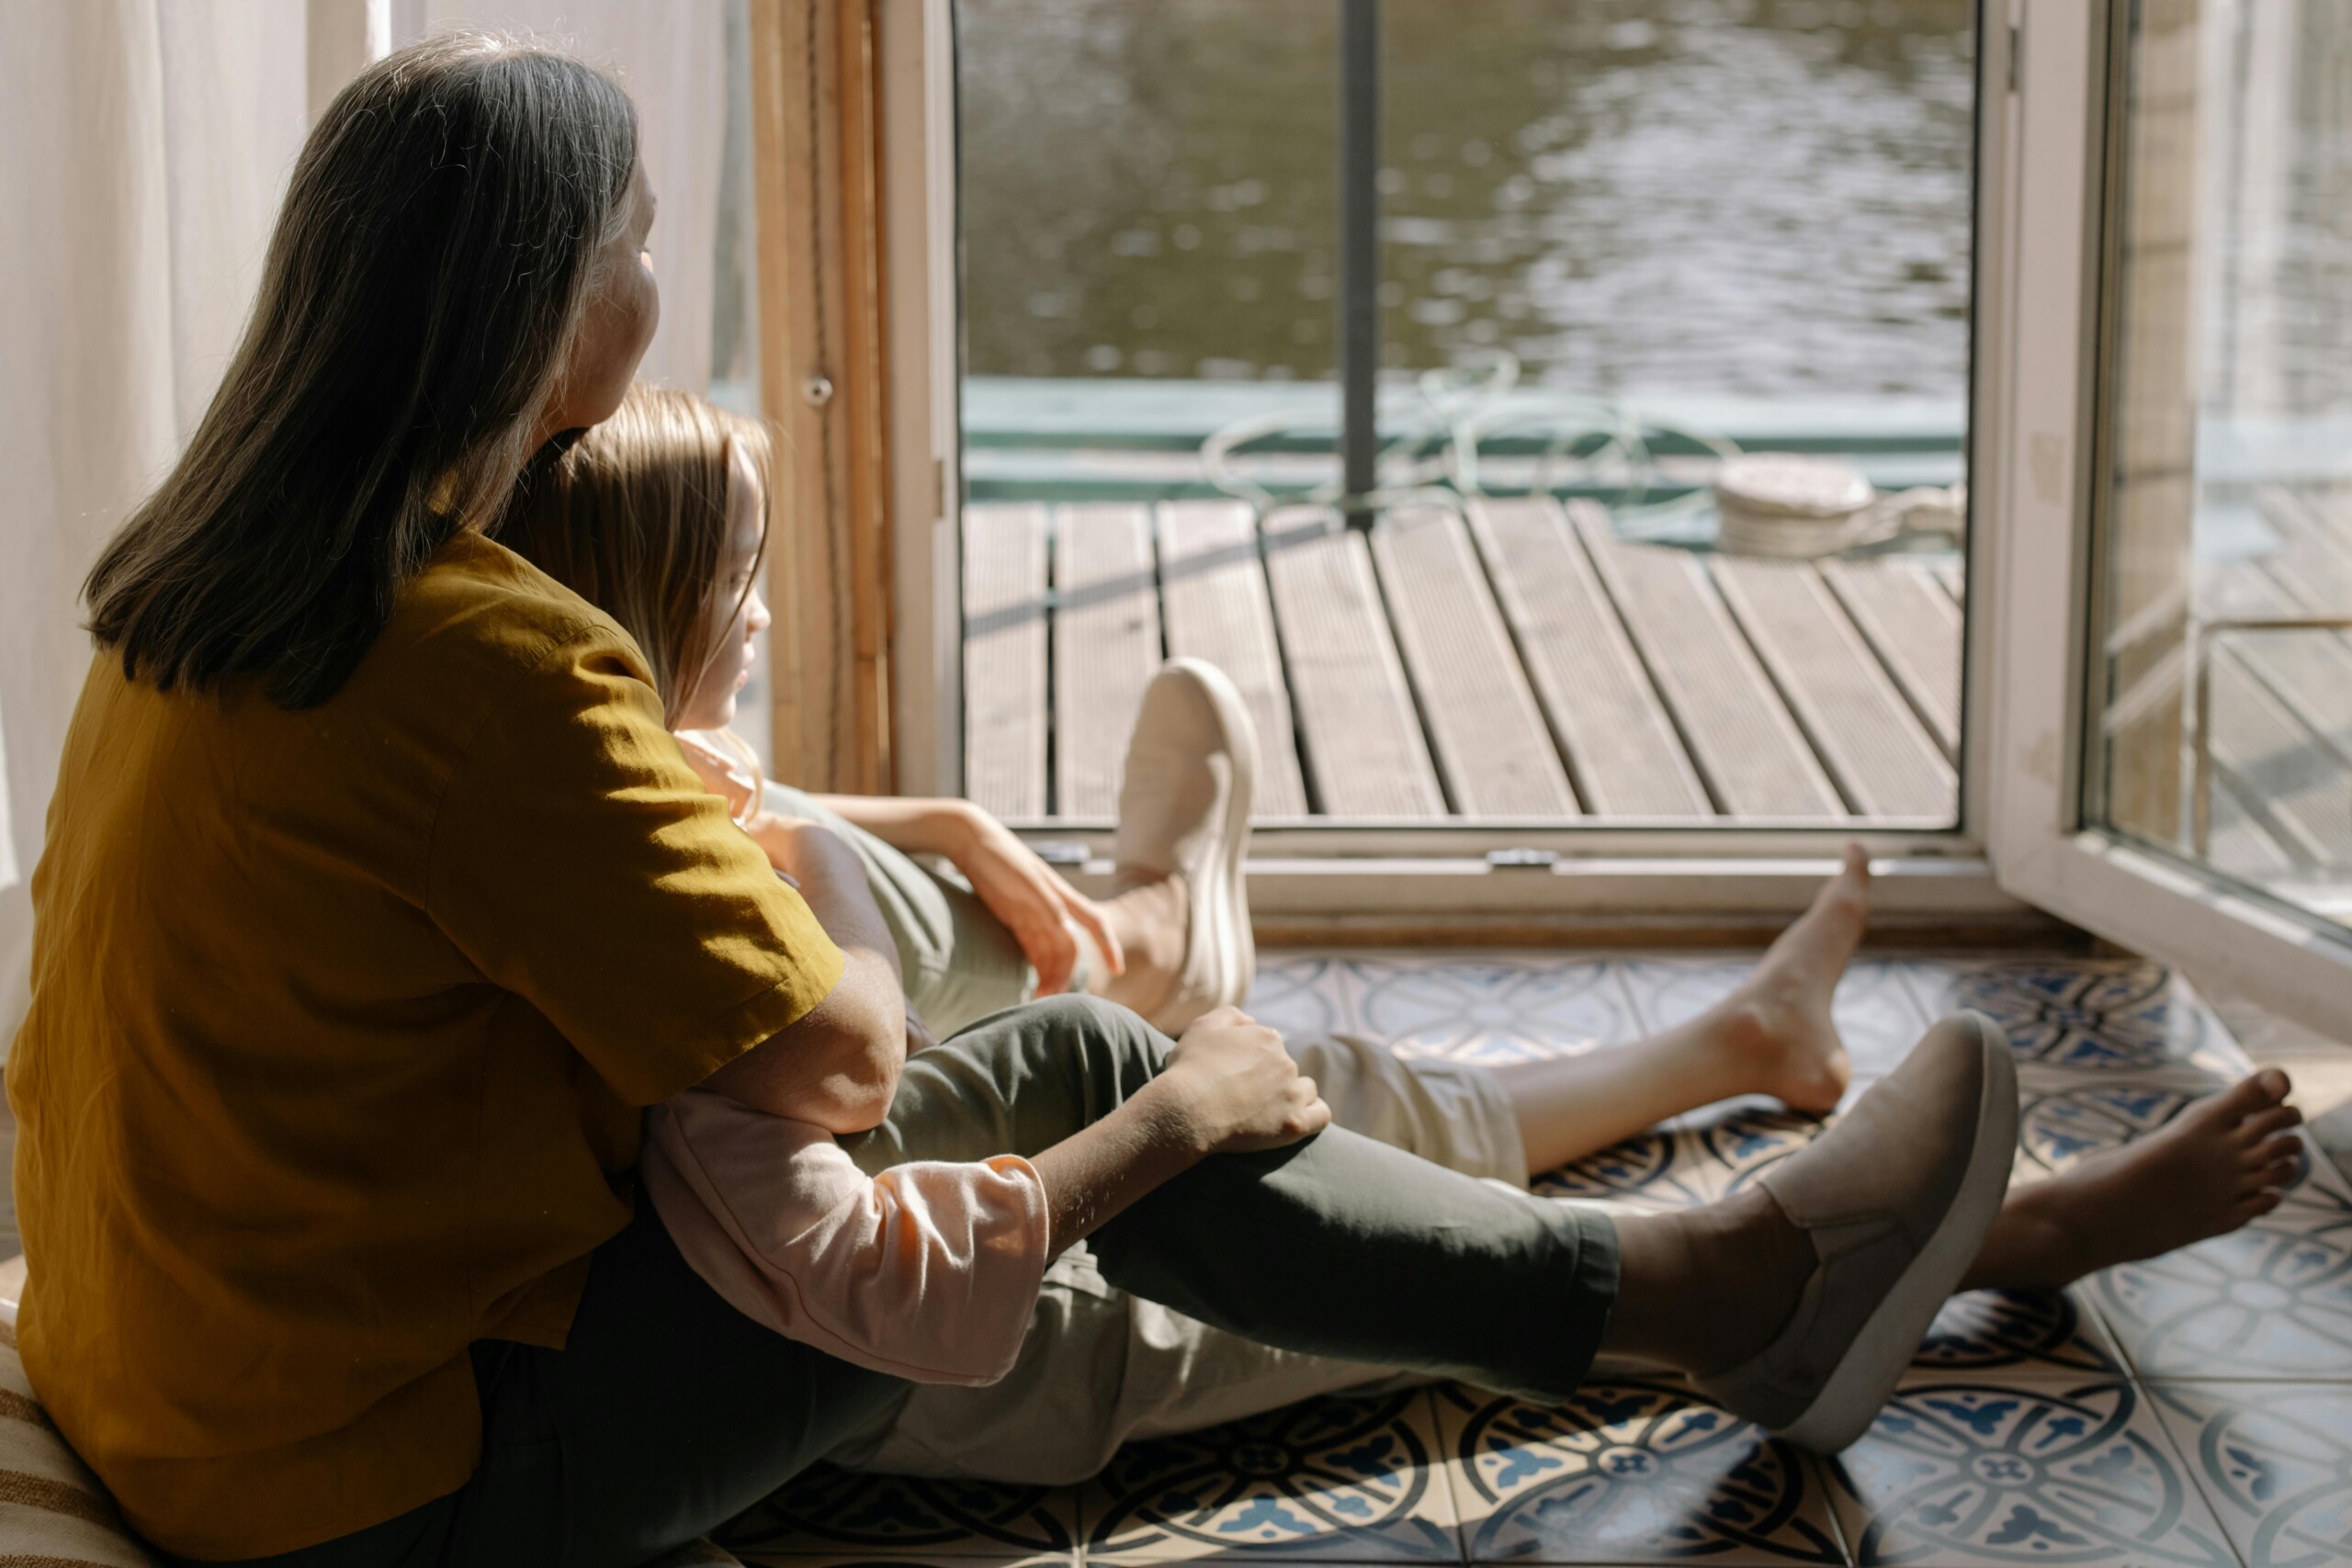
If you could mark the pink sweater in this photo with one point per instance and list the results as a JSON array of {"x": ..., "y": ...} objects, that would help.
[{"x": 928, "y": 1272}]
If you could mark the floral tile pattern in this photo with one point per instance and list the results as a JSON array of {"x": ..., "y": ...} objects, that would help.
[
  {"x": 2094, "y": 1015},
  {"x": 2276, "y": 1464},
  {"x": 1301, "y": 997},
  {"x": 1637, "y": 1470},
  {"x": 1978, "y": 1472},
  {"x": 1343, "y": 1480},
  {"x": 830, "y": 1512},
  {"x": 1493, "y": 1011},
  {"x": 2018, "y": 1335},
  {"x": 2194, "y": 1411},
  {"x": 2271, "y": 1301}
]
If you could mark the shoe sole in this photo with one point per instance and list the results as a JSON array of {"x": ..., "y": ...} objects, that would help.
[
  {"x": 1224, "y": 913},
  {"x": 1866, "y": 1376}
]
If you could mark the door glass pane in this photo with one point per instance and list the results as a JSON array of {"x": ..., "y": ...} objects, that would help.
[
  {"x": 1619, "y": 241},
  {"x": 2223, "y": 680}
]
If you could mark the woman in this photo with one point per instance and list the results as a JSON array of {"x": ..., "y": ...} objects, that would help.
[
  {"x": 657, "y": 516},
  {"x": 377, "y": 902}
]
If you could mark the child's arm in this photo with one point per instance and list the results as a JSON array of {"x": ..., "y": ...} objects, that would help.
[
  {"x": 1035, "y": 905},
  {"x": 930, "y": 1270}
]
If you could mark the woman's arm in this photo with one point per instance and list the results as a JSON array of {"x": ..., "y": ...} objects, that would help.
[{"x": 838, "y": 1066}]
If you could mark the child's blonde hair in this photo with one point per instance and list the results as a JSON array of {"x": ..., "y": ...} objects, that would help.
[{"x": 633, "y": 517}]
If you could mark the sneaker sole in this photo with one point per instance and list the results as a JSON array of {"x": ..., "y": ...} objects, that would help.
[
  {"x": 1224, "y": 913},
  {"x": 1866, "y": 1376}
]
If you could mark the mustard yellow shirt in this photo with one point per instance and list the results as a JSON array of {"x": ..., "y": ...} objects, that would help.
[{"x": 341, "y": 1023}]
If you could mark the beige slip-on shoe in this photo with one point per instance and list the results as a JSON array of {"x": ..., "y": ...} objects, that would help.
[
  {"x": 1896, "y": 1196},
  {"x": 1184, "y": 810}
]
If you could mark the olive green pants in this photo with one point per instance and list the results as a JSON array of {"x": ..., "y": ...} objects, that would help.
[
  {"x": 667, "y": 1412},
  {"x": 1101, "y": 1367}
]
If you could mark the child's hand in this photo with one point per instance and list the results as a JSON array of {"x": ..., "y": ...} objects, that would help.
[
  {"x": 1236, "y": 1088},
  {"x": 1035, "y": 905}
]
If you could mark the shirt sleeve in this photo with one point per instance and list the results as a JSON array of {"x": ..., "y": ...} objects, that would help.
[
  {"x": 578, "y": 864},
  {"x": 929, "y": 1271}
]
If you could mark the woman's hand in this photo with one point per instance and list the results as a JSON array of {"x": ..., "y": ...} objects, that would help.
[
  {"x": 1034, "y": 904},
  {"x": 1238, "y": 1089}
]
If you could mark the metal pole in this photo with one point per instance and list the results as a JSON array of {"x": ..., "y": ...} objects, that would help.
[{"x": 1359, "y": 253}]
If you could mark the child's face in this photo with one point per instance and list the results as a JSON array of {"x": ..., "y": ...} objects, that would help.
[{"x": 712, "y": 705}]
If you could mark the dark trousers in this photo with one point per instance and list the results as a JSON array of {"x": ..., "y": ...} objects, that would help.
[{"x": 667, "y": 1412}]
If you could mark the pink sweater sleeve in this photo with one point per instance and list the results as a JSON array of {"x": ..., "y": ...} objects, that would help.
[{"x": 928, "y": 1272}]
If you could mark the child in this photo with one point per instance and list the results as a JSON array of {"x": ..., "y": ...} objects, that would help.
[{"x": 656, "y": 516}]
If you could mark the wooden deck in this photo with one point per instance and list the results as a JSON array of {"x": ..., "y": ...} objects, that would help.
[
  {"x": 2282, "y": 702},
  {"x": 1519, "y": 664}
]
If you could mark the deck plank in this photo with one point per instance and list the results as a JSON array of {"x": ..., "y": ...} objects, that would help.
[
  {"x": 2239, "y": 846},
  {"x": 1747, "y": 745},
  {"x": 1952, "y": 576},
  {"x": 1213, "y": 599},
  {"x": 1914, "y": 627},
  {"x": 1625, "y": 758},
  {"x": 2306, "y": 674},
  {"x": 1491, "y": 743},
  {"x": 1004, "y": 659},
  {"x": 1107, "y": 648},
  {"x": 2299, "y": 790},
  {"x": 2311, "y": 563},
  {"x": 1357, "y": 725},
  {"x": 1881, "y": 759}
]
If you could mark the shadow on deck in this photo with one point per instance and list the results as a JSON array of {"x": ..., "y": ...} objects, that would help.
[{"x": 1516, "y": 663}]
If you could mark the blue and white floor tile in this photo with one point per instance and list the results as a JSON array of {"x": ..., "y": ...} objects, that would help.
[
  {"x": 2174, "y": 1413},
  {"x": 2276, "y": 1464},
  {"x": 1332, "y": 1480},
  {"x": 1301, "y": 997},
  {"x": 2018, "y": 1335},
  {"x": 2088, "y": 1014},
  {"x": 831, "y": 1512},
  {"x": 1963, "y": 1471},
  {"x": 1493, "y": 1010},
  {"x": 1629, "y": 1471},
  {"x": 2271, "y": 1301}
]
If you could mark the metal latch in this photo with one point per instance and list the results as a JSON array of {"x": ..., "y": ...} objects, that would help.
[{"x": 1522, "y": 860}]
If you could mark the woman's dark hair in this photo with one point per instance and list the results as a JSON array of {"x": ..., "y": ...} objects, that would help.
[{"x": 438, "y": 245}]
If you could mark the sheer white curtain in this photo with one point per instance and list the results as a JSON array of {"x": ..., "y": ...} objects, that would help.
[
  {"x": 144, "y": 145},
  {"x": 671, "y": 56}
]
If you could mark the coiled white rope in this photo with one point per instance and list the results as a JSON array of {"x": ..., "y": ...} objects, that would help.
[{"x": 1782, "y": 504}]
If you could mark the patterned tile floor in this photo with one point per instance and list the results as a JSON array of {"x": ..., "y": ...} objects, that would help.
[{"x": 2194, "y": 1410}]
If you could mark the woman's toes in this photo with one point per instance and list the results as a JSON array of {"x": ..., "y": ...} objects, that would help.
[
  {"x": 2285, "y": 1147},
  {"x": 2250, "y": 1095},
  {"x": 2265, "y": 1124}
]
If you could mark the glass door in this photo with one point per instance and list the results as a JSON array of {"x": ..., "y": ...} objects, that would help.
[
  {"x": 2202, "y": 810},
  {"x": 1661, "y": 553}
]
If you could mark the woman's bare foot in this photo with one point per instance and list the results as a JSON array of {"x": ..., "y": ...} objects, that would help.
[
  {"x": 1778, "y": 1026},
  {"x": 2217, "y": 1164}
]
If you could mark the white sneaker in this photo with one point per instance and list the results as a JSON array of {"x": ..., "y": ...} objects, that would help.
[{"x": 1185, "y": 801}]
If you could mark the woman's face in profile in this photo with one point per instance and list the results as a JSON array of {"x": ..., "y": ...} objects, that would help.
[{"x": 617, "y": 326}]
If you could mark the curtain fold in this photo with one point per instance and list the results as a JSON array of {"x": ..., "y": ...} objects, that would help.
[{"x": 148, "y": 145}]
